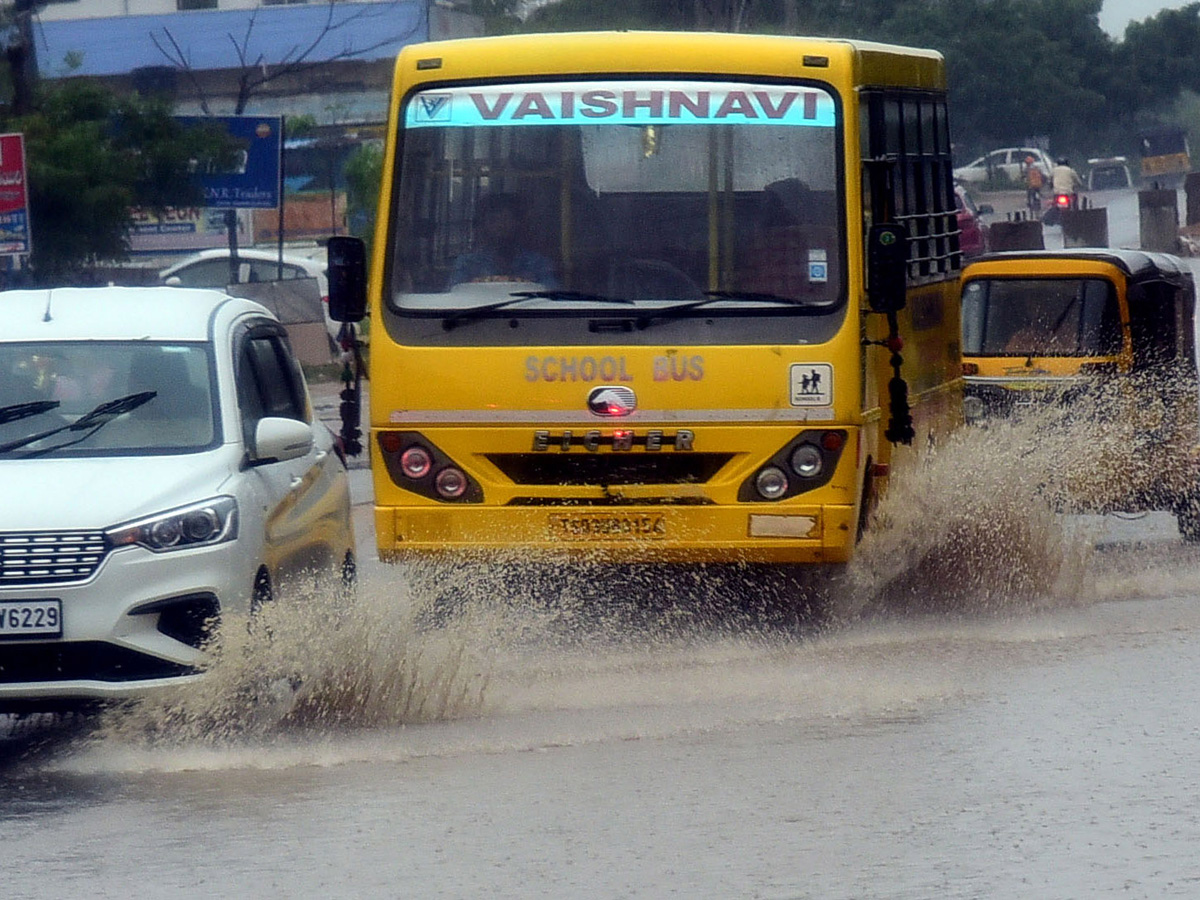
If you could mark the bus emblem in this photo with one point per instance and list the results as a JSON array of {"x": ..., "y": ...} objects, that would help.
[{"x": 611, "y": 400}]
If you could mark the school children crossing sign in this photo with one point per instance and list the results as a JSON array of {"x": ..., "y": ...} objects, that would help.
[{"x": 14, "y": 197}]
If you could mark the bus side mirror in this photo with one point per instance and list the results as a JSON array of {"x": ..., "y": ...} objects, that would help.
[
  {"x": 347, "y": 272},
  {"x": 887, "y": 267}
]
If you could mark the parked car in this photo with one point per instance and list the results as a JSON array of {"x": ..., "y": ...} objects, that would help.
[
  {"x": 972, "y": 233},
  {"x": 1109, "y": 174},
  {"x": 210, "y": 269},
  {"x": 161, "y": 470},
  {"x": 1007, "y": 162}
]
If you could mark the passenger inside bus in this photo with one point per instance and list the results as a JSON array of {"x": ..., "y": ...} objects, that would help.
[{"x": 498, "y": 254}]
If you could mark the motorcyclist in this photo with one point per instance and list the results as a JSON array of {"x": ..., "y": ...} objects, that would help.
[{"x": 1066, "y": 180}]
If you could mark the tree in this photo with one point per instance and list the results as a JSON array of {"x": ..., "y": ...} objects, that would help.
[
  {"x": 255, "y": 72},
  {"x": 90, "y": 158},
  {"x": 363, "y": 171}
]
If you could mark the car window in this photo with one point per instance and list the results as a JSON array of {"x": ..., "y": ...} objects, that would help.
[
  {"x": 269, "y": 381},
  {"x": 263, "y": 270},
  {"x": 205, "y": 273}
]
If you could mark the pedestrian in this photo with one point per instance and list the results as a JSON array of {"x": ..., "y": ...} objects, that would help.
[{"x": 1034, "y": 179}]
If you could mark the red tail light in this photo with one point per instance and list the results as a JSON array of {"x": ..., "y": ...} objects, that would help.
[{"x": 1063, "y": 200}]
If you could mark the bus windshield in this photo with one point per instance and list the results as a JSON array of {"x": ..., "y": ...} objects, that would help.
[
  {"x": 1040, "y": 317},
  {"x": 569, "y": 198}
]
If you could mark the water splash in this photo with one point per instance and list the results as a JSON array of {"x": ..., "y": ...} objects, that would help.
[{"x": 314, "y": 660}]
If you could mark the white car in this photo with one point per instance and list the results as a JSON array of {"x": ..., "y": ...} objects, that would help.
[
  {"x": 161, "y": 469},
  {"x": 1007, "y": 162},
  {"x": 210, "y": 269}
]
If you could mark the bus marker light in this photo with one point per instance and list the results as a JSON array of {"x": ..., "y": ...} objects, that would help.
[
  {"x": 390, "y": 441},
  {"x": 833, "y": 441}
]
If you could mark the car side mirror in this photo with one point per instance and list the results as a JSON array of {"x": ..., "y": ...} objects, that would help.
[
  {"x": 277, "y": 439},
  {"x": 887, "y": 267},
  {"x": 347, "y": 272}
]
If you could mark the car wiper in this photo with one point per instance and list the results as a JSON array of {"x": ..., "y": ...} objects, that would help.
[
  {"x": 19, "y": 411},
  {"x": 515, "y": 297},
  {"x": 90, "y": 421},
  {"x": 682, "y": 309}
]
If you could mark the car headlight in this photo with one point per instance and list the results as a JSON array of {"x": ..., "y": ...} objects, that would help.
[{"x": 196, "y": 525}]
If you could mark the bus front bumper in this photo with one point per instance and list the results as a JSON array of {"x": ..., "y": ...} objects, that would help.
[{"x": 749, "y": 533}]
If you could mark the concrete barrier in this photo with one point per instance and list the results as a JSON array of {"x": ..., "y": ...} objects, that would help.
[
  {"x": 1191, "y": 187},
  {"x": 1158, "y": 216},
  {"x": 1025, "y": 234},
  {"x": 1085, "y": 227}
]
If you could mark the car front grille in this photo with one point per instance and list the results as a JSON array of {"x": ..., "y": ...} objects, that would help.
[{"x": 49, "y": 557}]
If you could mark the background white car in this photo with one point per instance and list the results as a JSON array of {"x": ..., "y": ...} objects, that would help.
[
  {"x": 1007, "y": 162},
  {"x": 161, "y": 468},
  {"x": 210, "y": 269}
]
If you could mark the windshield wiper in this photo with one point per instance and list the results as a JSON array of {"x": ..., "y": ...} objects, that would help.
[
  {"x": 515, "y": 297},
  {"x": 93, "y": 420},
  {"x": 19, "y": 411},
  {"x": 681, "y": 309}
]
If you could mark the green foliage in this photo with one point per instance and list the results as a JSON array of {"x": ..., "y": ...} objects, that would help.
[
  {"x": 1016, "y": 68},
  {"x": 363, "y": 172},
  {"x": 90, "y": 158}
]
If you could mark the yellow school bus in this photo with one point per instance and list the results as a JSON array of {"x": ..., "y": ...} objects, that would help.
[{"x": 620, "y": 301}]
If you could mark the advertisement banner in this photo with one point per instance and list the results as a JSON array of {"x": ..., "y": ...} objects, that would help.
[
  {"x": 14, "y": 198},
  {"x": 253, "y": 182},
  {"x": 183, "y": 230}
]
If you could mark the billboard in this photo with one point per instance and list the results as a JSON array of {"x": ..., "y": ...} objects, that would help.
[
  {"x": 179, "y": 230},
  {"x": 253, "y": 182},
  {"x": 14, "y": 198}
]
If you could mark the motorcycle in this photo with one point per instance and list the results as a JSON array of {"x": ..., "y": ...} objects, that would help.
[{"x": 1059, "y": 202}]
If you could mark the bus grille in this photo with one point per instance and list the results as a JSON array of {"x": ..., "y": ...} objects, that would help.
[
  {"x": 50, "y": 557},
  {"x": 609, "y": 468}
]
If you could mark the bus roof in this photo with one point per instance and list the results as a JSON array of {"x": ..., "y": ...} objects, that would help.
[{"x": 640, "y": 52}]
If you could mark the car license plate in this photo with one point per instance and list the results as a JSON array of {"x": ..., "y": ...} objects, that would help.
[
  {"x": 30, "y": 618},
  {"x": 604, "y": 527}
]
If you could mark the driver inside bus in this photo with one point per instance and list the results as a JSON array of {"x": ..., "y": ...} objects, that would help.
[{"x": 498, "y": 254}]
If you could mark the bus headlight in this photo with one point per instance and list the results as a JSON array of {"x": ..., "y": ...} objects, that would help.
[
  {"x": 771, "y": 483},
  {"x": 450, "y": 483},
  {"x": 416, "y": 461},
  {"x": 807, "y": 461}
]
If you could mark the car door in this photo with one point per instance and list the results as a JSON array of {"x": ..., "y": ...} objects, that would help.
[{"x": 304, "y": 499}]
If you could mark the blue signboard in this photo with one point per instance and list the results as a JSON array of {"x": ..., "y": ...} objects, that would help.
[{"x": 253, "y": 182}]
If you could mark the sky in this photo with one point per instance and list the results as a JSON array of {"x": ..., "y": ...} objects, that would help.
[{"x": 1116, "y": 14}]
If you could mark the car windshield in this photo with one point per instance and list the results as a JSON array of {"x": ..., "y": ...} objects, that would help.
[
  {"x": 653, "y": 192},
  {"x": 49, "y": 387},
  {"x": 1040, "y": 317}
]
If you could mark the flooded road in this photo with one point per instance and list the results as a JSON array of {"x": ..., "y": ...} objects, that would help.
[{"x": 1047, "y": 748}]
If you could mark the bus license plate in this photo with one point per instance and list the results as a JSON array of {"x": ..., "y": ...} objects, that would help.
[
  {"x": 30, "y": 618},
  {"x": 603, "y": 527}
]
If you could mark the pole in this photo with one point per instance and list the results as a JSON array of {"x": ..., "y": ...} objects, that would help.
[{"x": 282, "y": 161}]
